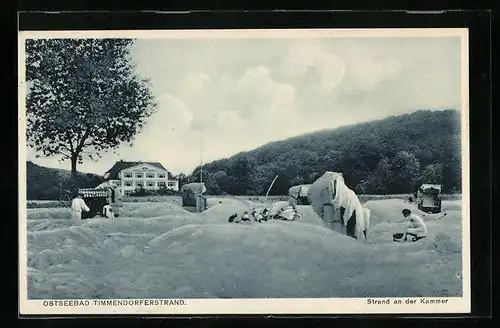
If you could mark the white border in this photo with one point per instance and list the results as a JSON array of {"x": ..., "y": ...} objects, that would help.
[{"x": 301, "y": 306}]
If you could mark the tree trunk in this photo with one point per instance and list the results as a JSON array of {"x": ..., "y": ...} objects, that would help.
[{"x": 74, "y": 160}]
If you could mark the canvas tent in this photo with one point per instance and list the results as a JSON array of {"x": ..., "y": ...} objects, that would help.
[
  {"x": 337, "y": 205},
  {"x": 320, "y": 195},
  {"x": 277, "y": 206},
  {"x": 192, "y": 196},
  {"x": 298, "y": 195}
]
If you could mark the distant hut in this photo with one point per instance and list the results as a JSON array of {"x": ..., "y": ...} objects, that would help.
[
  {"x": 192, "y": 197},
  {"x": 298, "y": 195}
]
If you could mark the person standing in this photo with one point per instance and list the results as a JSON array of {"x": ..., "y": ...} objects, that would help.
[
  {"x": 78, "y": 206},
  {"x": 116, "y": 200}
]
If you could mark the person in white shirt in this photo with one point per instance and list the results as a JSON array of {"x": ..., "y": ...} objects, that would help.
[
  {"x": 77, "y": 206},
  {"x": 416, "y": 229}
]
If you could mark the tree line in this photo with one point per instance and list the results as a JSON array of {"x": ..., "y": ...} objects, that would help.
[{"x": 389, "y": 156}]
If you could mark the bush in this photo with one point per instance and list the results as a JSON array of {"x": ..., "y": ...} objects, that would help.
[
  {"x": 47, "y": 204},
  {"x": 141, "y": 192}
]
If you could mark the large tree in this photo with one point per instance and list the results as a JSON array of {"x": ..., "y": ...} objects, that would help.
[{"x": 84, "y": 97}]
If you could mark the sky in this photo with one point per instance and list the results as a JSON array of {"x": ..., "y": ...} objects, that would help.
[{"x": 218, "y": 97}]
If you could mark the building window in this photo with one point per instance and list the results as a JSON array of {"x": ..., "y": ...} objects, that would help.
[
  {"x": 127, "y": 175},
  {"x": 161, "y": 175},
  {"x": 171, "y": 183},
  {"x": 160, "y": 184},
  {"x": 127, "y": 192},
  {"x": 151, "y": 184},
  {"x": 128, "y": 183},
  {"x": 138, "y": 175},
  {"x": 150, "y": 175},
  {"x": 139, "y": 184}
]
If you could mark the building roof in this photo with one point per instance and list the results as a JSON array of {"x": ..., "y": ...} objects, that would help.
[
  {"x": 194, "y": 187},
  {"x": 122, "y": 165},
  {"x": 429, "y": 185}
]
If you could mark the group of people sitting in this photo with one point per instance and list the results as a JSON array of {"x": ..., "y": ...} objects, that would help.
[{"x": 289, "y": 214}]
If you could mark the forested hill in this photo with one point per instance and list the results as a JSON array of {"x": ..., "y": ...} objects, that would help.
[
  {"x": 43, "y": 183},
  {"x": 392, "y": 155}
]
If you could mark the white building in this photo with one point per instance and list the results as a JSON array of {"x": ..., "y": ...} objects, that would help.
[{"x": 134, "y": 175}]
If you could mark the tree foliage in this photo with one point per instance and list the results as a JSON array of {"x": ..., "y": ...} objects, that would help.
[
  {"x": 433, "y": 173},
  {"x": 83, "y": 97},
  {"x": 404, "y": 172},
  {"x": 387, "y": 156}
]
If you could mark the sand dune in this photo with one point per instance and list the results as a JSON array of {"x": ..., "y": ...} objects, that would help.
[{"x": 161, "y": 250}]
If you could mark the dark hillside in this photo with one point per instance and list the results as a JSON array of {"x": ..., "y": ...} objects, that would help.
[
  {"x": 392, "y": 155},
  {"x": 45, "y": 183}
]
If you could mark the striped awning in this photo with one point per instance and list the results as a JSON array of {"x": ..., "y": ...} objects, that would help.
[{"x": 90, "y": 192}]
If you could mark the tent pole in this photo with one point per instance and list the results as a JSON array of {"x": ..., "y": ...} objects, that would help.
[{"x": 272, "y": 183}]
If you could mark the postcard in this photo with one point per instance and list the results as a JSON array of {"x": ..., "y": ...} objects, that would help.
[{"x": 275, "y": 171}]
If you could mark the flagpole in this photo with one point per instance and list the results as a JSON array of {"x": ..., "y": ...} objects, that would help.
[
  {"x": 201, "y": 162},
  {"x": 198, "y": 203}
]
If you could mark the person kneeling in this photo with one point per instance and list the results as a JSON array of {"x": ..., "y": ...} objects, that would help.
[{"x": 416, "y": 229}]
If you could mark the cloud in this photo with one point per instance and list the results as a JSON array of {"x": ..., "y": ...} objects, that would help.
[
  {"x": 230, "y": 102},
  {"x": 192, "y": 81},
  {"x": 229, "y": 119},
  {"x": 172, "y": 114},
  {"x": 366, "y": 74},
  {"x": 327, "y": 69},
  {"x": 259, "y": 94}
]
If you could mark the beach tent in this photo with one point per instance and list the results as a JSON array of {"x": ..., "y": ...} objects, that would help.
[
  {"x": 298, "y": 194},
  {"x": 337, "y": 205},
  {"x": 192, "y": 196},
  {"x": 428, "y": 198}
]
